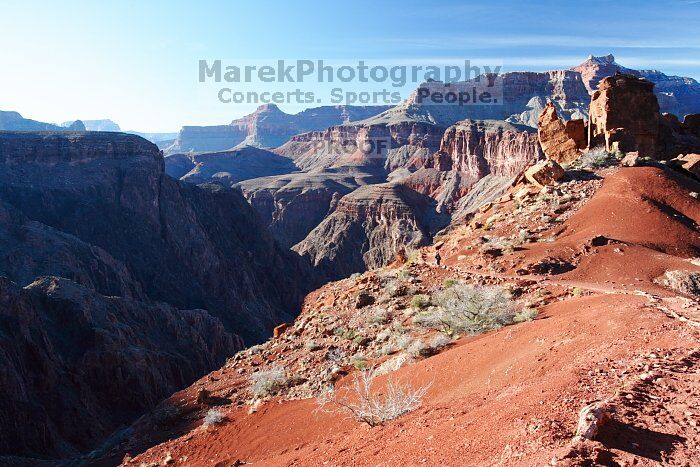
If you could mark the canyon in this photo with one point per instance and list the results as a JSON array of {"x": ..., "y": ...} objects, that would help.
[{"x": 140, "y": 287}]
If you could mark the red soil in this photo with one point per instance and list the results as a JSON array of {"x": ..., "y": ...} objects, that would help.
[{"x": 512, "y": 396}]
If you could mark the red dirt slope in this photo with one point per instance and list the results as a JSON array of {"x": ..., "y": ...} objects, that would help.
[{"x": 605, "y": 331}]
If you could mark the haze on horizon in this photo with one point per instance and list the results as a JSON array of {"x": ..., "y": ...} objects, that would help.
[{"x": 137, "y": 64}]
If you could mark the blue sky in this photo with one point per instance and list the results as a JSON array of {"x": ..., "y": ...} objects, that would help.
[{"x": 136, "y": 62}]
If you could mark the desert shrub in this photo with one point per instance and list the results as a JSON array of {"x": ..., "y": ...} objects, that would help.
[
  {"x": 343, "y": 332},
  {"x": 268, "y": 382},
  {"x": 523, "y": 235},
  {"x": 213, "y": 417},
  {"x": 440, "y": 341},
  {"x": 404, "y": 274},
  {"x": 255, "y": 349},
  {"x": 417, "y": 349},
  {"x": 404, "y": 341},
  {"x": 685, "y": 282},
  {"x": 384, "y": 350},
  {"x": 365, "y": 404},
  {"x": 361, "y": 340},
  {"x": 420, "y": 301},
  {"x": 449, "y": 283},
  {"x": 356, "y": 275},
  {"x": 378, "y": 317},
  {"x": 596, "y": 158},
  {"x": 527, "y": 314},
  {"x": 468, "y": 309},
  {"x": 359, "y": 362},
  {"x": 312, "y": 345}
]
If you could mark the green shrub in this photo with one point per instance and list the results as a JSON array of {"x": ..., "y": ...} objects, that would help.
[{"x": 420, "y": 301}]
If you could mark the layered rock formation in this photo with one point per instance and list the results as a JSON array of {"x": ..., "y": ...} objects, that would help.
[
  {"x": 267, "y": 127},
  {"x": 91, "y": 347},
  {"x": 624, "y": 115},
  {"x": 486, "y": 147},
  {"x": 676, "y": 94},
  {"x": 228, "y": 167},
  {"x": 77, "y": 365},
  {"x": 293, "y": 205},
  {"x": 393, "y": 145},
  {"x": 368, "y": 227}
]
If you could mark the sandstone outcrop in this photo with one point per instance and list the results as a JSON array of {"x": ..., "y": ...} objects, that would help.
[
  {"x": 557, "y": 143},
  {"x": 624, "y": 115}
]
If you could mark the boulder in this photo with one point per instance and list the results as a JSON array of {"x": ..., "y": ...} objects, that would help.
[
  {"x": 631, "y": 159},
  {"x": 545, "y": 173},
  {"x": 279, "y": 330},
  {"x": 624, "y": 110},
  {"x": 556, "y": 143}
]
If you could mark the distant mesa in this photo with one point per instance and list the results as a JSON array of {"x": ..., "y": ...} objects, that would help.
[
  {"x": 96, "y": 125},
  {"x": 267, "y": 127}
]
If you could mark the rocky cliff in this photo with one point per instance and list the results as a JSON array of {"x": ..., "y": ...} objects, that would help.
[
  {"x": 228, "y": 167},
  {"x": 77, "y": 365},
  {"x": 293, "y": 205},
  {"x": 267, "y": 127},
  {"x": 624, "y": 114},
  {"x": 127, "y": 248},
  {"x": 676, "y": 94},
  {"x": 368, "y": 227}
]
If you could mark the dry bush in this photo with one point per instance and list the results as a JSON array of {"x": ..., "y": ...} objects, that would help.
[
  {"x": 440, "y": 341},
  {"x": 365, "y": 404},
  {"x": 464, "y": 308},
  {"x": 268, "y": 382},
  {"x": 213, "y": 417}
]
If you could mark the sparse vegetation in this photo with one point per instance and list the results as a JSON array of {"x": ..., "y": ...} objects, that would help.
[
  {"x": 359, "y": 362},
  {"x": 213, "y": 417},
  {"x": 469, "y": 309},
  {"x": 440, "y": 341},
  {"x": 417, "y": 349},
  {"x": 420, "y": 301},
  {"x": 365, "y": 404},
  {"x": 449, "y": 283},
  {"x": 312, "y": 345},
  {"x": 343, "y": 332},
  {"x": 527, "y": 314},
  {"x": 379, "y": 317},
  {"x": 268, "y": 382},
  {"x": 597, "y": 158}
]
